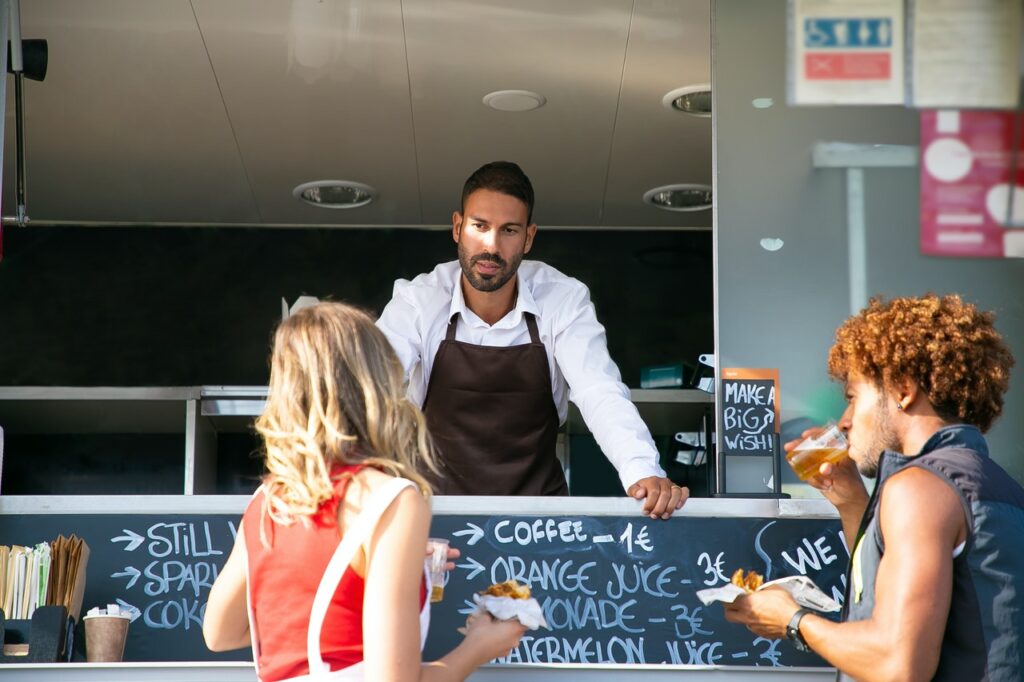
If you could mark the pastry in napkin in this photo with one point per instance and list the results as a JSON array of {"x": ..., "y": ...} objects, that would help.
[{"x": 509, "y": 600}]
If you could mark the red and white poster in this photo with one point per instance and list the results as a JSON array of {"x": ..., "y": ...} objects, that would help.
[{"x": 972, "y": 193}]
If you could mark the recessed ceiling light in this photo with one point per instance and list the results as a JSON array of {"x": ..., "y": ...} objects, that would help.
[
  {"x": 514, "y": 100},
  {"x": 691, "y": 99},
  {"x": 335, "y": 193},
  {"x": 680, "y": 197}
]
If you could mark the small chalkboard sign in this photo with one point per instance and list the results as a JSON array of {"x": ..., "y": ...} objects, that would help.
[{"x": 750, "y": 411}]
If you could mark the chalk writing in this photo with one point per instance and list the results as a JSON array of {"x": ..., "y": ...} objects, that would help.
[
  {"x": 813, "y": 555},
  {"x": 631, "y": 578},
  {"x": 546, "y": 575},
  {"x": 748, "y": 416},
  {"x": 688, "y": 622},
  {"x": 185, "y": 561},
  {"x": 586, "y": 650},
  {"x": 525, "y": 532},
  {"x": 713, "y": 569},
  {"x": 615, "y": 589},
  {"x": 618, "y": 590}
]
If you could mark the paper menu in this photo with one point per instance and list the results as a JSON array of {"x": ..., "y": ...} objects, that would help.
[{"x": 965, "y": 53}]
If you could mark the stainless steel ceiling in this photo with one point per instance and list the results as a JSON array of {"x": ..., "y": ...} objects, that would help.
[{"x": 212, "y": 111}]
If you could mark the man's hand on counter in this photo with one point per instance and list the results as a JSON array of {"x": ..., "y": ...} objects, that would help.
[{"x": 661, "y": 496}]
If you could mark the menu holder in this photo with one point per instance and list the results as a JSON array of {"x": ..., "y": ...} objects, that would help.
[
  {"x": 49, "y": 574},
  {"x": 71, "y": 556},
  {"x": 41, "y": 639}
]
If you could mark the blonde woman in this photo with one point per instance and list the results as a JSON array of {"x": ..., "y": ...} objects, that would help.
[{"x": 340, "y": 521}]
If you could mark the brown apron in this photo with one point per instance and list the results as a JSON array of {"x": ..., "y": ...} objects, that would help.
[{"x": 493, "y": 419}]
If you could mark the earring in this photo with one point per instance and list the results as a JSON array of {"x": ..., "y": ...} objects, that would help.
[{"x": 899, "y": 406}]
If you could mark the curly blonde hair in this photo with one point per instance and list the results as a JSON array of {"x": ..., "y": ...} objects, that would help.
[
  {"x": 337, "y": 396},
  {"x": 948, "y": 347}
]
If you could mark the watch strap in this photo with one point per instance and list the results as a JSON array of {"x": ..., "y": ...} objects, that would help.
[{"x": 793, "y": 629}]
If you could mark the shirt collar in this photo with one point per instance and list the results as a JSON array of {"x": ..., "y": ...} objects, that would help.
[
  {"x": 525, "y": 303},
  {"x": 957, "y": 436},
  {"x": 953, "y": 436}
]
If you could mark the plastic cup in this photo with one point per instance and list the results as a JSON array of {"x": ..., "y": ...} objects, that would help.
[
  {"x": 828, "y": 446},
  {"x": 105, "y": 636},
  {"x": 436, "y": 561}
]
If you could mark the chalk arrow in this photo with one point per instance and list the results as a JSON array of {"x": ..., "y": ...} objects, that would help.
[
  {"x": 128, "y": 571},
  {"x": 133, "y": 540},
  {"x": 131, "y": 610},
  {"x": 474, "y": 532},
  {"x": 473, "y": 564}
]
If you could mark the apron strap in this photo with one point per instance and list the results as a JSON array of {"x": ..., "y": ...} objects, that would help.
[
  {"x": 449, "y": 335},
  {"x": 353, "y": 538},
  {"x": 531, "y": 324}
]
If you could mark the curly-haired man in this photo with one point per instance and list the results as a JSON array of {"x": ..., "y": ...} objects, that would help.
[{"x": 936, "y": 582}]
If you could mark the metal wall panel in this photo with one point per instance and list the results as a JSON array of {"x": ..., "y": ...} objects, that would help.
[{"x": 128, "y": 124}]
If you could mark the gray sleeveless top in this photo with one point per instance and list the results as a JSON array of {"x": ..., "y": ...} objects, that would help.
[{"x": 982, "y": 639}]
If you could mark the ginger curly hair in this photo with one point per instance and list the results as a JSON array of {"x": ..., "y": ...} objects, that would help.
[{"x": 948, "y": 347}]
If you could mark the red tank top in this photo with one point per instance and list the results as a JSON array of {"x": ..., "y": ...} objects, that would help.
[{"x": 283, "y": 580}]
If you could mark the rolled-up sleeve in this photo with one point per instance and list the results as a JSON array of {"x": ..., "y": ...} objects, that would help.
[{"x": 596, "y": 388}]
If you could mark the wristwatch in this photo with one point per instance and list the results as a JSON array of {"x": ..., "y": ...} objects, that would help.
[{"x": 793, "y": 630}]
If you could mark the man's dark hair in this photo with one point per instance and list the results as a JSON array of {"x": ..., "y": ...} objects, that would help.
[{"x": 501, "y": 176}]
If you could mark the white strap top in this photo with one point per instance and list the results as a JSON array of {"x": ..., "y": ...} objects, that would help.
[{"x": 353, "y": 538}]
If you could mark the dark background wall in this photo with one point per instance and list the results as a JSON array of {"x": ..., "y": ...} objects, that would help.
[{"x": 196, "y": 306}]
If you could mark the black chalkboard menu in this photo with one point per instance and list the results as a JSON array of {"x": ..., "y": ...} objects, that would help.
[
  {"x": 750, "y": 411},
  {"x": 162, "y": 564},
  {"x": 615, "y": 589},
  {"x": 622, "y": 589}
]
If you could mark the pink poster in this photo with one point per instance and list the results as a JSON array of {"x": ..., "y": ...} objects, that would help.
[{"x": 972, "y": 198}]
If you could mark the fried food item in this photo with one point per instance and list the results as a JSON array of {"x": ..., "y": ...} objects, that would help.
[
  {"x": 749, "y": 582},
  {"x": 509, "y": 588}
]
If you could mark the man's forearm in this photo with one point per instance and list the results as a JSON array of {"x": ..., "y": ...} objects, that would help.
[
  {"x": 862, "y": 649},
  {"x": 850, "y": 515}
]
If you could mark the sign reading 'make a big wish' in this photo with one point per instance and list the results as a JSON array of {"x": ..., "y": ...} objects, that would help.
[{"x": 750, "y": 411}]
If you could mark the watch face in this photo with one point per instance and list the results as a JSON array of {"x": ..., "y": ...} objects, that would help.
[{"x": 796, "y": 639}]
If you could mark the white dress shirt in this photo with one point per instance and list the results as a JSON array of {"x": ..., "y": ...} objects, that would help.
[{"x": 416, "y": 319}]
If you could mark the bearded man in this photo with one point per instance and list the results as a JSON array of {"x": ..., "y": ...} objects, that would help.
[
  {"x": 495, "y": 347},
  {"x": 935, "y": 589}
]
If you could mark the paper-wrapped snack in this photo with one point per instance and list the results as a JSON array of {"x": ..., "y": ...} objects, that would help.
[
  {"x": 802, "y": 588},
  {"x": 510, "y": 600}
]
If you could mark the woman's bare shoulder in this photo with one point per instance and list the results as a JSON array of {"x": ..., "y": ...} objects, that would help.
[{"x": 368, "y": 481}]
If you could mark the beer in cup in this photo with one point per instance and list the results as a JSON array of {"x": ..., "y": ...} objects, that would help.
[
  {"x": 828, "y": 446},
  {"x": 436, "y": 561}
]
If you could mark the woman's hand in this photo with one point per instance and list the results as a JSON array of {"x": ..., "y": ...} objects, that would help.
[
  {"x": 452, "y": 554},
  {"x": 491, "y": 638}
]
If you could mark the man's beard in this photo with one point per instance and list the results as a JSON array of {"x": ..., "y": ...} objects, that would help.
[
  {"x": 883, "y": 438},
  {"x": 493, "y": 282}
]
